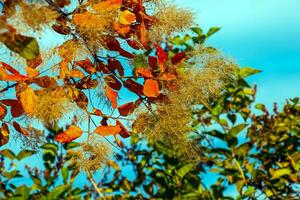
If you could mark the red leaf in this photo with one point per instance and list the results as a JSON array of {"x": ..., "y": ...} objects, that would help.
[
  {"x": 162, "y": 58},
  {"x": 153, "y": 63},
  {"x": 124, "y": 132},
  {"x": 20, "y": 129},
  {"x": 134, "y": 86},
  {"x": 45, "y": 81},
  {"x": 177, "y": 58},
  {"x": 128, "y": 108},
  {"x": 108, "y": 130},
  {"x": 86, "y": 65},
  {"x": 98, "y": 112},
  {"x": 72, "y": 133},
  {"x": 112, "y": 96},
  {"x": 133, "y": 44},
  {"x": 151, "y": 88},
  {"x": 16, "y": 106},
  {"x": 113, "y": 82}
]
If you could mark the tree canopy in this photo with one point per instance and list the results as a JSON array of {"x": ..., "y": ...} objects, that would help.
[{"x": 79, "y": 77}]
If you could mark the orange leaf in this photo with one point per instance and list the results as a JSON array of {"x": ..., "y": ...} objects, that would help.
[
  {"x": 146, "y": 73},
  {"x": 31, "y": 72},
  {"x": 112, "y": 96},
  {"x": 143, "y": 33},
  {"x": 16, "y": 106},
  {"x": 20, "y": 129},
  {"x": 168, "y": 77},
  {"x": 72, "y": 133},
  {"x": 76, "y": 73},
  {"x": 121, "y": 29},
  {"x": 108, "y": 130},
  {"x": 151, "y": 88},
  {"x": 3, "y": 111},
  {"x": 127, "y": 17},
  {"x": 4, "y": 134}
]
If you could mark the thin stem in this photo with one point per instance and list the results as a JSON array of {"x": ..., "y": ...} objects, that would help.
[{"x": 90, "y": 177}]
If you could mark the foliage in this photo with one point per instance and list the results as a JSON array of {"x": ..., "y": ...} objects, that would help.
[{"x": 120, "y": 62}]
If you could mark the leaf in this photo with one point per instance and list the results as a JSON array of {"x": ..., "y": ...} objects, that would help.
[
  {"x": 237, "y": 129},
  {"x": 239, "y": 185},
  {"x": 16, "y": 106},
  {"x": 281, "y": 172},
  {"x": 76, "y": 73},
  {"x": 3, "y": 111},
  {"x": 112, "y": 96},
  {"x": 20, "y": 129},
  {"x": 72, "y": 133},
  {"x": 65, "y": 174},
  {"x": 127, "y": 17},
  {"x": 212, "y": 31},
  {"x": 86, "y": 65},
  {"x": 151, "y": 88},
  {"x": 128, "y": 108},
  {"x": 246, "y": 71},
  {"x": 28, "y": 100},
  {"x": 185, "y": 170},
  {"x": 153, "y": 62},
  {"x": 197, "y": 30},
  {"x": 108, "y": 130},
  {"x": 124, "y": 132},
  {"x": 162, "y": 57},
  {"x": 45, "y": 81},
  {"x": 4, "y": 134},
  {"x": 146, "y": 73},
  {"x": 113, "y": 82},
  {"x": 134, "y": 87},
  {"x": 177, "y": 58},
  {"x": 82, "y": 100},
  {"x": 8, "y": 154},
  {"x": 25, "y": 153},
  {"x": 26, "y": 47}
]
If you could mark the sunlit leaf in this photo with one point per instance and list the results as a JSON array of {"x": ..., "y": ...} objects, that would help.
[
  {"x": 72, "y": 133},
  {"x": 151, "y": 88}
]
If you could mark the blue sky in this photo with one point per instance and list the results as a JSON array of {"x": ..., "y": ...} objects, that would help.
[{"x": 264, "y": 34}]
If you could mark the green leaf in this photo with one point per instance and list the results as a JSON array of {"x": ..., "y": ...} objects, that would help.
[
  {"x": 197, "y": 30},
  {"x": 65, "y": 174},
  {"x": 212, "y": 31},
  {"x": 239, "y": 185},
  {"x": 237, "y": 129},
  {"x": 25, "y": 153},
  {"x": 71, "y": 145},
  {"x": 59, "y": 191},
  {"x": 185, "y": 169},
  {"x": 247, "y": 71},
  {"x": 26, "y": 47},
  {"x": 250, "y": 190},
  {"x": 50, "y": 146},
  {"x": 8, "y": 153},
  {"x": 280, "y": 172}
]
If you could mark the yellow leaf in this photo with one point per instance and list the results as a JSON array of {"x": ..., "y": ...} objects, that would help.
[
  {"x": 28, "y": 100},
  {"x": 127, "y": 17}
]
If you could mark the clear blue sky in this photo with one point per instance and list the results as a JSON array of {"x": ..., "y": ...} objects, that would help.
[{"x": 264, "y": 34}]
